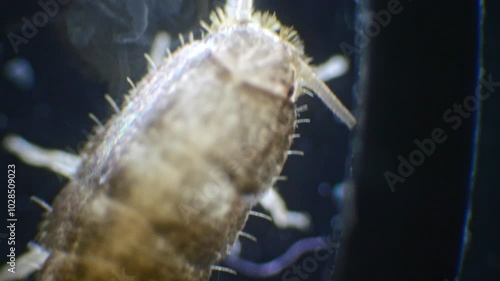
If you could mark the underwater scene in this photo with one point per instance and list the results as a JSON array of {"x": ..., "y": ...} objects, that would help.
[{"x": 325, "y": 140}]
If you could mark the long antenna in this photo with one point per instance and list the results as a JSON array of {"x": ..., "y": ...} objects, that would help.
[
  {"x": 241, "y": 10},
  {"x": 319, "y": 88}
]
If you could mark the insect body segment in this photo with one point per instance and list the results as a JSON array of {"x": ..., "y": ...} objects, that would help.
[{"x": 216, "y": 119}]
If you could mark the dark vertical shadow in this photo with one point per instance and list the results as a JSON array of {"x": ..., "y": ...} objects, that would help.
[{"x": 414, "y": 146}]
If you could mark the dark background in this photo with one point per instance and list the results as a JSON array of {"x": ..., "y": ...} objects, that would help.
[{"x": 50, "y": 107}]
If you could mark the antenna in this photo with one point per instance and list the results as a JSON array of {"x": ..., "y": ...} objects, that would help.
[{"x": 319, "y": 88}]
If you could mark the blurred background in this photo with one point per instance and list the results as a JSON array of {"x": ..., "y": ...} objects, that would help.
[{"x": 51, "y": 79}]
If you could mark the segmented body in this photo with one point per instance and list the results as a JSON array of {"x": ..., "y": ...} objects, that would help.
[
  {"x": 163, "y": 190},
  {"x": 217, "y": 114}
]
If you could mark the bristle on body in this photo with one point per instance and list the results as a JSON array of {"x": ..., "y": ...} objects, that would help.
[{"x": 240, "y": 12}]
